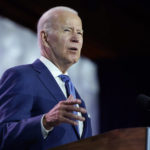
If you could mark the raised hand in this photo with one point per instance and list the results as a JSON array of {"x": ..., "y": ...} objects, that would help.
[{"x": 63, "y": 113}]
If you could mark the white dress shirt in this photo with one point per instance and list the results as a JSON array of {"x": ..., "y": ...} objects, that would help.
[{"x": 55, "y": 73}]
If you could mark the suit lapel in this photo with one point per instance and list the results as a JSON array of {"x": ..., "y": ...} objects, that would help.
[{"x": 48, "y": 80}]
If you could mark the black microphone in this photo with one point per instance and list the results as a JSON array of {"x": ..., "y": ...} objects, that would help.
[{"x": 144, "y": 101}]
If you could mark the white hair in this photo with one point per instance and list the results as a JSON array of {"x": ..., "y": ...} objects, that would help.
[{"x": 44, "y": 21}]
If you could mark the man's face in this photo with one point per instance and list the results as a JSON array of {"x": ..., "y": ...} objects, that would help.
[{"x": 66, "y": 39}]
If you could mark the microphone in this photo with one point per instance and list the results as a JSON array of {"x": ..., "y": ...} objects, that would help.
[{"x": 144, "y": 101}]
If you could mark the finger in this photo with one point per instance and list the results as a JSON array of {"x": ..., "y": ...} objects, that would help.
[
  {"x": 72, "y": 102},
  {"x": 74, "y": 108},
  {"x": 70, "y": 98},
  {"x": 67, "y": 120},
  {"x": 73, "y": 116}
]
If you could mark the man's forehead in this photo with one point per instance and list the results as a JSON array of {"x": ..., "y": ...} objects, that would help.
[{"x": 66, "y": 17}]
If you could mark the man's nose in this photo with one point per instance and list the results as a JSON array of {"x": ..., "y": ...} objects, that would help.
[{"x": 74, "y": 39}]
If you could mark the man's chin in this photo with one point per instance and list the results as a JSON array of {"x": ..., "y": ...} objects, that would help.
[
  {"x": 75, "y": 60},
  {"x": 72, "y": 60}
]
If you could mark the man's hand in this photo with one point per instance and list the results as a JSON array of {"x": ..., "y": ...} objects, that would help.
[{"x": 63, "y": 113}]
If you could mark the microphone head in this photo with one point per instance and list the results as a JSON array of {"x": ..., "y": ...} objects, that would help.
[{"x": 144, "y": 101}]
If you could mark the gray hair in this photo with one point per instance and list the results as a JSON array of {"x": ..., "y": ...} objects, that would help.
[{"x": 44, "y": 23}]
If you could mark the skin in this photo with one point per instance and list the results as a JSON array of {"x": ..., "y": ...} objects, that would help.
[
  {"x": 65, "y": 33},
  {"x": 62, "y": 113},
  {"x": 62, "y": 46}
]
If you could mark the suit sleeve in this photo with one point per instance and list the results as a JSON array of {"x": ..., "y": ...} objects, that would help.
[{"x": 17, "y": 124}]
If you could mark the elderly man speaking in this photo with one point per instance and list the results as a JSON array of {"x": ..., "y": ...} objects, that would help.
[{"x": 39, "y": 106}]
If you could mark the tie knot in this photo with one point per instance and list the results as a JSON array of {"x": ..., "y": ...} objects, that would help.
[{"x": 64, "y": 78}]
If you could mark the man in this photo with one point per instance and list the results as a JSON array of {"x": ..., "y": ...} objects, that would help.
[{"x": 37, "y": 109}]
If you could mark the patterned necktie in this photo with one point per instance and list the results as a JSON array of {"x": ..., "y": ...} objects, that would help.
[{"x": 70, "y": 90}]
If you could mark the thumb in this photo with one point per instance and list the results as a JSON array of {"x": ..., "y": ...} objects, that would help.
[{"x": 70, "y": 98}]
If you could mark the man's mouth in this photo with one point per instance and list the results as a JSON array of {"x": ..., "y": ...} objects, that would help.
[{"x": 73, "y": 48}]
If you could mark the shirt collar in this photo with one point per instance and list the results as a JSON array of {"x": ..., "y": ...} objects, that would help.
[{"x": 51, "y": 67}]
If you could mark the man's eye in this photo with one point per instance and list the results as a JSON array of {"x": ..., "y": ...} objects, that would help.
[
  {"x": 67, "y": 30},
  {"x": 80, "y": 33}
]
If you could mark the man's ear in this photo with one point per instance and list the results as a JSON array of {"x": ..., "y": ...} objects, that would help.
[{"x": 44, "y": 39}]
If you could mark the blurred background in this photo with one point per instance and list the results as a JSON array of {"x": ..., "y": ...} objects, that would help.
[{"x": 114, "y": 67}]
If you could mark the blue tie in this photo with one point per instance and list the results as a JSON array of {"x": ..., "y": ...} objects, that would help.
[
  {"x": 70, "y": 90},
  {"x": 69, "y": 85}
]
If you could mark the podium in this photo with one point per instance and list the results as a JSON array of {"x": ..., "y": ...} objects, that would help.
[{"x": 119, "y": 139}]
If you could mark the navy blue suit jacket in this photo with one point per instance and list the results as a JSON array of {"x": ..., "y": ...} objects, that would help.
[{"x": 26, "y": 93}]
